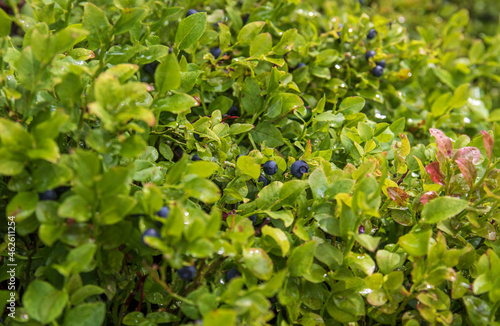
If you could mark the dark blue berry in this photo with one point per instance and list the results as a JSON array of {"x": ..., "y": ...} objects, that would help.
[
  {"x": 197, "y": 137},
  {"x": 163, "y": 212},
  {"x": 150, "y": 233},
  {"x": 300, "y": 65},
  {"x": 216, "y": 52},
  {"x": 48, "y": 195},
  {"x": 371, "y": 34},
  {"x": 191, "y": 12},
  {"x": 380, "y": 63},
  {"x": 370, "y": 54},
  {"x": 233, "y": 111},
  {"x": 299, "y": 168},
  {"x": 378, "y": 71},
  {"x": 232, "y": 273},
  {"x": 187, "y": 273},
  {"x": 196, "y": 158},
  {"x": 253, "y": 218},
  {"x": 245, "y": 19},
  {"x": 264, "y": 180},
  {"x": 361, "y": 229},
  {"x": 270, "y": 167}
]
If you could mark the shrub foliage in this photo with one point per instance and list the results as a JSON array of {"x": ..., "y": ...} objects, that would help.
[{"x": 132, "y": 140}]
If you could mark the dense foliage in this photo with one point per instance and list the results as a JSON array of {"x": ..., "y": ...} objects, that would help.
[{"x": 279, "y": 162}]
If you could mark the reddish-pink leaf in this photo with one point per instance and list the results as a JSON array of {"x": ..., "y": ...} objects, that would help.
[
  {"x": 443, "y": 143},
  {"x": 398, "y": 195},
  {"x": 488, "y": 143},
  {"x": 428, "y": 196},
  {"x": 468, "y": 170},
  {"x": 469, "y": 153},
  {"x": 436, "y": 174}
]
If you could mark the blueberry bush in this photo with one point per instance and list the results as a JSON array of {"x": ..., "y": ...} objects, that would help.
[{"x": 274, "y": 162}]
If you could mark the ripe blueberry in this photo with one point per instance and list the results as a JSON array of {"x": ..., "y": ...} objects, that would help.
[
  {"x": 163, "y": 212},
  {"x": 253, "y": 218},
  {"x": 264, "y": 180},
  {"x": 270, "y": 167},
  {"x": 380, "y": 63},
  {"x": 232, "y": 273},
  {"x": 299, "y": 168},
  {"x": 300, "y": 65},
  {"x": 187, "y": 273},
  {"x": 197, "y": 137},
  {"x": 150, "y": 233},
  {"x": 371, "y": 34},
  {"x": 191, "y": 12},
  {"x": 196, "y": 158},
  {"x": 378, "y": 71},
  {"x": 48, "y": 195},
  {"x": 216, "y": 52},
  {"x": 370, "y": 54},
  {"x": 361, "y": 229},
  {"x": 233, "y": 111},
  {"x": 245, "y": 19}
]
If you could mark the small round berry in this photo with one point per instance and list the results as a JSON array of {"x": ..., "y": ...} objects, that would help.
[
  {"x": 233, "y": 111},
  {"x": 216, "y": 52},
  {"x": 361, "y": 229},
  {"x": 48, "y": 195},
  {"x": 232, "y": 273},
  {"x": 264, "y": 180},
  {"x": 380, "y": 63},
  {"x": 378, "y": 71},
  {"x": 196, "y": 157},
  {"x": 150, "y": 233},
  {"x": 371, "y": 34},
  {"x": 191, "y": 12},
  {"x": 370, "y": 54},
  {"x": 187, "y": 273},
  {"x": 299, "y": 168},
  {"x": 163, "y": 212},
  {"x": 253, "y": 218},
  {"x": 197, "y": 136},
  {"x": 270, "y": 168},
  {"x": 300, "y": 65}
]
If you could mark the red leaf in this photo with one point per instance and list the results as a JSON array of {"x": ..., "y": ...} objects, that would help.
[
  {"x": 469, "y": 153},
  {"x": 428, "y": 196},
  {"x": 468, "y": 170},
  {"x": 443, "y": 143},
  {"x": 436, "y": 174},
  {"x": 398, "y": 195},
  {"x": 488, "y": 144}
]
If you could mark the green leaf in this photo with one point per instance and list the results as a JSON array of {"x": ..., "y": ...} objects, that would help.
[
  {"x": 22, "y": 205},
  {"x": 268, "y": 133},
  {"x": 202, "y": 169},
  {"x": 258, "y": 262},
  {"x": 367, "y": 241},
  {"x": 262, "y": 44},
  {"x": 318, "y": 183},
  {"x": 278, "y": 236},
  {"x": 219, "y": 317},
  {"x": 251, "y": 100},
  {"x": 75, "y": 207},
  {"x": 176, "y": 103},
  {"x": 460, "y": 96},
  {"x": 286, "y": 42},
  {"x": 300, "y": 261},
  {"x": 203, "y": 190},
  {"x": 388, "y": 261},
  {"x": 87, "y": 314},
  {"x": 361, "y": 263},
  {"x": 168, "y": 75},
  {"x": 284, "y": 215},
  {"x": 84, "y": 292},
  {"x": 248, "y": 166},
  {"x": 442, "y": 208},
  {"x": 190, "y": 30},
  {"x": 249, "y": 32},
  {"x": 416, "y": 243},
  {"x": 95, "y": 21},
  {"x": 352, "y": 105},
  {"x": 5, "y": 24},
  {"x": 43, "y": 302},
  {"x": 13, "y": 135},
  {"x": 127, "y": 20},
  {"x": 224, "y": 37}
]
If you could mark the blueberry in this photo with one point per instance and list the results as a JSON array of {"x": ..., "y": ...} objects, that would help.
[
  {"x": 380, "y": 63},
  {"x": 150, "y": 68},
  {"x": 361, "y": 229},
  {"x": 163, "y": 212},
  {"x": 264, "y": 180},
  {"x": 245, "y": 19},
  {"x": 378, "y": 71},
  {"x": 187, "y": 273},
  {"x": 191, "y": 12},
  {"x": 232, "y": 273},
  {"x": 150, "y": 233},
  {"x": 233, "y": 111},
  {"x": 216, "y": 52},
  {"x": 299, "y": 168},
  {"x": 196, "y": 157},
  {"x": 300, "y": 65},
  {"x": 253, "y": 218},
  {"x": 48, "y": 195},
  {"x": 197, "y": 137},
  {"x": 369, "y": 54},
  {"x": 371, "y": 34},
  {"x": 270, "y": 167}
]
